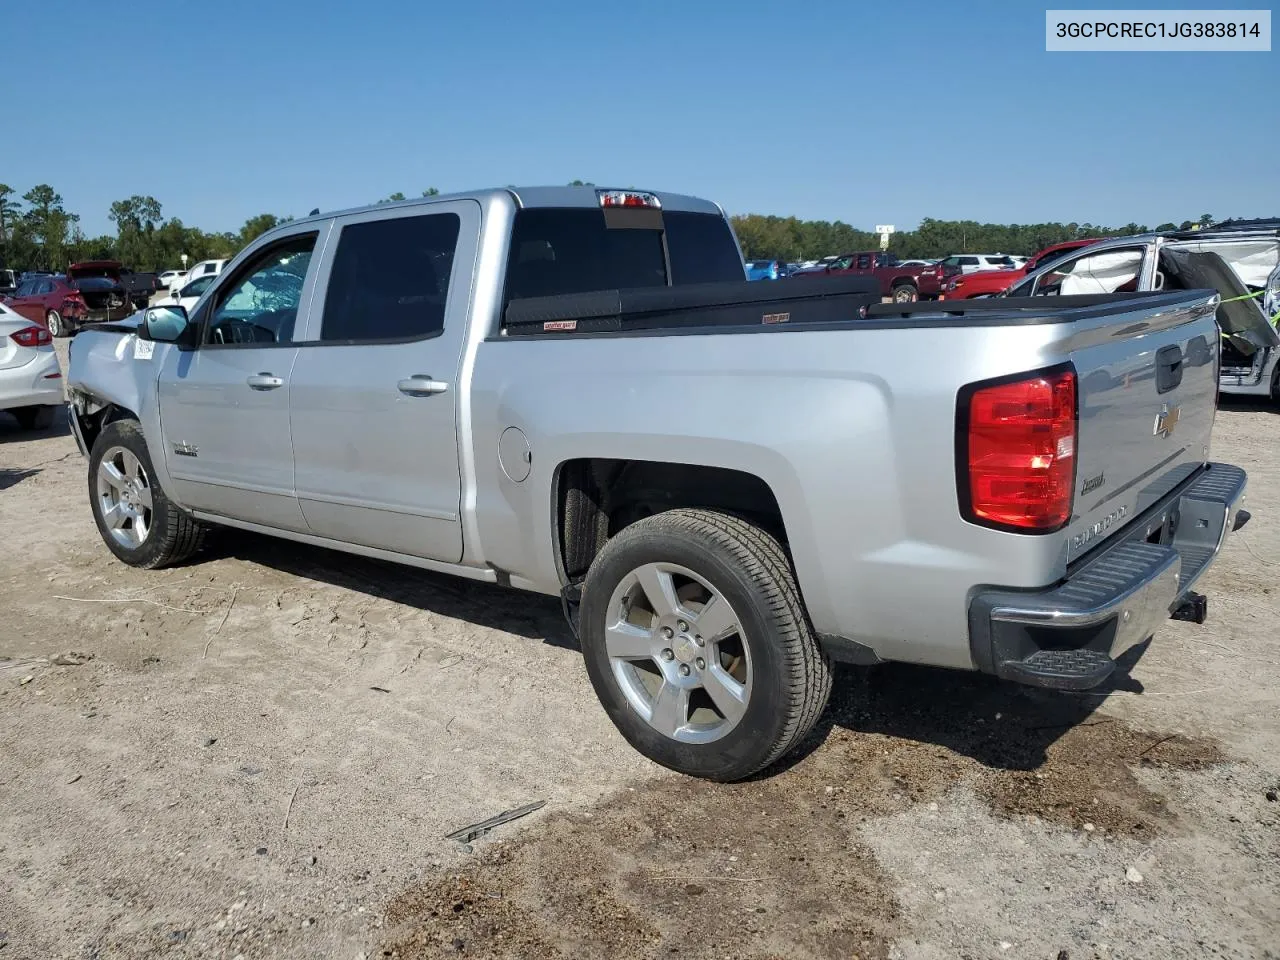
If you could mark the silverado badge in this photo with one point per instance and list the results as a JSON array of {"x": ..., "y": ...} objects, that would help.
[
  {"x": 1166, "y": 420},
  {"x": 183, "y": 449}
]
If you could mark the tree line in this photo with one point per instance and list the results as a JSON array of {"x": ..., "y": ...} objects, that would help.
[{"x": 37, "y": 232}]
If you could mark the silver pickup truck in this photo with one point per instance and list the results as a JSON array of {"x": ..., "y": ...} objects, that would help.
[{"x": 728, "y": 485}]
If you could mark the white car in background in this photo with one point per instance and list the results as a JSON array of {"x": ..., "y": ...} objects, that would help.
[
  {"x": 30, "y": 378},
  {"x": 974, "y": 262},
  {"x": 205, "y": 268},
  {"x": 166, "y": 279},
  {"x": 186, "y": 295}
]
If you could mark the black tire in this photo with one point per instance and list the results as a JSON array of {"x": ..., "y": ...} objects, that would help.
[
  {"x": 35, "y": 418},
  {"x": 905, "y": 293},
  {"x": 791, "y": 676},
  {"x": 58, "y": 327},
  {"x": 173, "y": 536}
]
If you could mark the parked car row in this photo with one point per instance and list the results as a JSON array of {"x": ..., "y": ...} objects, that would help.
[
  {"x": 904, "y": 281},
  {"x": 988, "y": 283}
]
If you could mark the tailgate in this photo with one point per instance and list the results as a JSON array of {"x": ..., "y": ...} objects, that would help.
[{"x": 1147, "y": 394}]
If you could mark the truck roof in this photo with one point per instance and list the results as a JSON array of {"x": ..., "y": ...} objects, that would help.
[{"x": 528, "y": 197}]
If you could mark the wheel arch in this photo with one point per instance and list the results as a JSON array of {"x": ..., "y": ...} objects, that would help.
[
  {"x": 593, "y": 498},
  {"x": 93, "y": 413}
]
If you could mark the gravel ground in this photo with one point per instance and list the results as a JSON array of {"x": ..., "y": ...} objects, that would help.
[{"x": 259, "y": 755}]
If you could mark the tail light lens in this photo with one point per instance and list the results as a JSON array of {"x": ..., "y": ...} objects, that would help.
[
  {"x": 31, "y": 337},
  {"x": 1017, "y": 446}
]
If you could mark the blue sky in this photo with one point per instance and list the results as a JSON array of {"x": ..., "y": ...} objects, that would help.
[{"x": 868, "y": 112}]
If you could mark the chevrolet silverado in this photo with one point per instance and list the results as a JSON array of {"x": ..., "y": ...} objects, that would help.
[{"x": 728, "y": 485}]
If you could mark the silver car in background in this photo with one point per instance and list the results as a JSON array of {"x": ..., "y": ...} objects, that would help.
[{"x": 30, "y": 378}]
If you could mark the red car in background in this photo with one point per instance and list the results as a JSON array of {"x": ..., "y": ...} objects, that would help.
[
  {"x": 63, "y": 305},
  {"x": 988, "y": 283},
  {"x": 900, "y": 282}
]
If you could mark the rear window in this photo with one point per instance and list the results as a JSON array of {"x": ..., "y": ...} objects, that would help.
[{"x": 558, "y": 251}]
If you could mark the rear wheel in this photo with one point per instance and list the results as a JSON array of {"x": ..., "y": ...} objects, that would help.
[
  {"x": 905, "y": 293},
  {"x": 137, "y": 521},
  {"x": 34, "y": 418},
  {"x": 57, "y": 326},
  {"x": 698, "y": 646}
]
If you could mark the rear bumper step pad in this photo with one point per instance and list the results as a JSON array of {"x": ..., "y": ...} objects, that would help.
[{"x": 1068, "y": 636}]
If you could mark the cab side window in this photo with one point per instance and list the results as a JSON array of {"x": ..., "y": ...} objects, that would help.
[
  {"x": 260, "y": 304},
  {"x": 390, "y": 279}
]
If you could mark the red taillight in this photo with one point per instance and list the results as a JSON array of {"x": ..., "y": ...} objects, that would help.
[
  {"x": 31, "y": 337},
  {"x": 1020, "y": 443}
]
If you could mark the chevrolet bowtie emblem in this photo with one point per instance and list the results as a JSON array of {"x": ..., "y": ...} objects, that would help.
[{"x": 1166, "y": 420}]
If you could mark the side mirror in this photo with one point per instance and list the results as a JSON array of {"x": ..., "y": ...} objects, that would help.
[{"x": 167, "y": 324}]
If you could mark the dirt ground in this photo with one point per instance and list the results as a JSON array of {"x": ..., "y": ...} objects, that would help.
[{"x": 260, "y": 754}]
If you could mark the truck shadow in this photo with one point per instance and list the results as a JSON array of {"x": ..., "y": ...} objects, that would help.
[
  {"x": 1000, "y": 725},
  {"x": 529, "y": 615}
]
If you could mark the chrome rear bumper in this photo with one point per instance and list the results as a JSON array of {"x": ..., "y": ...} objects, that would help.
[{"x": 1067, "y": 637}]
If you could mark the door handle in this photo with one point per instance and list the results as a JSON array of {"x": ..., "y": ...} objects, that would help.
[
  {"x": 421, "y": 385},
  {"x": 1168, "y": 368},
  {"x": 264, "y": 381}
]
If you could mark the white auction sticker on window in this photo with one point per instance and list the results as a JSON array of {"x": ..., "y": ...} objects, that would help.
[{"x": 143, "y": 349}]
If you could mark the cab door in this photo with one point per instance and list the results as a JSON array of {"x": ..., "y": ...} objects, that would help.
[
  {"x": 224, "y": 406},
  {"x": 375, "y": 393}
]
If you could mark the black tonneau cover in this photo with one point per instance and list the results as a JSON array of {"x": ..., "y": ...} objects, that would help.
[{"x": 822, "y": 301}]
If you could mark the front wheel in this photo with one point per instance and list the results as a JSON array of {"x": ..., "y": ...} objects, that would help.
[
  {"x": 137, "y": 521},
  {"x": 905, "y": 293},
  {"x": 698, "y": 646}
]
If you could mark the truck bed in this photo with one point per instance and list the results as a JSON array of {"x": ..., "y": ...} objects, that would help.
[
  {"x": 854, "y": 426},
  {"x": 819, "y": 304}
]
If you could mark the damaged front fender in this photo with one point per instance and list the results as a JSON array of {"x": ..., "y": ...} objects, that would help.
[{"x": 112, "y": 375}]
